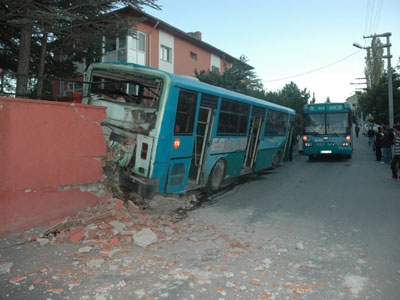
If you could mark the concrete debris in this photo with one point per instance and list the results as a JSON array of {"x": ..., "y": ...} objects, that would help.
[
  {"x": 145, "y": 237},
  {"x": 42, "y": 241},
  {"x": 6, "y": 267},
  {"x": 85, "y": 249}
]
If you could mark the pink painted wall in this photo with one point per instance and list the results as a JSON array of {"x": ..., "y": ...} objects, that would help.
[{"x": 45, "y": 149}]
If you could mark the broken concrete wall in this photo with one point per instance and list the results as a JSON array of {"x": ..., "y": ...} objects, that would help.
[{"x": 50, "y": 160}]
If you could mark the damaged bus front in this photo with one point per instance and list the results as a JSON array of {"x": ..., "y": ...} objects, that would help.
[{"x": 133, "y": 97}]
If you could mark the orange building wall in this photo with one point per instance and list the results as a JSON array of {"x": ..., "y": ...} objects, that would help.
[
  {"x": 47, "y": 150},
  {"x": 184, "y": 65},
  {"x": 152, "y": 43}
]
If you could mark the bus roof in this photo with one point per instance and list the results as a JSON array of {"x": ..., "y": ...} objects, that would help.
[{"x": 192, "y": 82}]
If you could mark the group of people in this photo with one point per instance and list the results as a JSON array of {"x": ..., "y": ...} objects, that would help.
[{"x": 385, "y": 142}]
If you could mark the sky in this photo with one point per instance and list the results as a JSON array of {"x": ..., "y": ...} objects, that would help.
[{"x": 308, "y": 42}]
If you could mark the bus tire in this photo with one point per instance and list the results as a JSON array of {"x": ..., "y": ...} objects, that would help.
[
  {"x": 276, "y": 160},
  {"x": 216, "y": 177}
]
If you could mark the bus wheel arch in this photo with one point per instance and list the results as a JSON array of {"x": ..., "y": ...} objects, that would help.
[{"x": 216, "y": 177}]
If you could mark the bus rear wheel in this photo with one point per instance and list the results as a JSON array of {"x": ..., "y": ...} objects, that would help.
[
  {"x": 276, "y": 160},
  {"x": 216, "y": 177}
]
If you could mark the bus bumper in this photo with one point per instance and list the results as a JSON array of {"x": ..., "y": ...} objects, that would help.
[{"x": 145, "y": 188}]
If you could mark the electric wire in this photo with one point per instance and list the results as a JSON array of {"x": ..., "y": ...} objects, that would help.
[{"x": 314, "y": 70}]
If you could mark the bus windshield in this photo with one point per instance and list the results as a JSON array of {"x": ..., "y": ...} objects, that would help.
[
  {"x": 127, "y": 88},
  {"x": 329, "y": 123}
]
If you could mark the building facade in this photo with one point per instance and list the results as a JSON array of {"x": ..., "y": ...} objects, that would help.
[{"x": 159, "y": 45}]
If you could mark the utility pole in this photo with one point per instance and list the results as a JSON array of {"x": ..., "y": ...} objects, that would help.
[{"x": 390, "y": 84}]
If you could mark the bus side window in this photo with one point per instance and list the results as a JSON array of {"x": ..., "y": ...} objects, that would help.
[{"x": 186, "y": 111}]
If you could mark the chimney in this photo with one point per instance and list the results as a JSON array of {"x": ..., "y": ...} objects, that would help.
[{"x": 196, "y": 35}]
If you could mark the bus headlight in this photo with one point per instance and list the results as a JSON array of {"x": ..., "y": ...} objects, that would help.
[
  {"x": 345, "y": 144},
  {"x": 307, "y": 144}
]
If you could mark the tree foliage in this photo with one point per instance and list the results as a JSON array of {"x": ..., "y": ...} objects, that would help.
[
  {"x": 291, "y": 96},
  {"x": 238, "y": 78},
  {"x": 35, "y": 32},
  {"x": 374, "y": 63},
  {"x": 375, "y": 101}
]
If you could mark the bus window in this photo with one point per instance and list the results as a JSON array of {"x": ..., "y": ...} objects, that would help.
[
  {"x": 337, "y": 123},
  {"x": 314, "y": 124},
  {"x": 233, "y": 119},
  {"x": 186, "y": 112},
  {"x": 276, "y": 123}
]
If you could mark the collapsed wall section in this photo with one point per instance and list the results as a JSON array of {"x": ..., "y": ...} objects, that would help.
[{"x": 51, "y": 157}]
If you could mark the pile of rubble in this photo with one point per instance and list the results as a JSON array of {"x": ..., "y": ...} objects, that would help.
[
  {"x": 103, "y": 233},
  {"x": 106, "y": 225}
]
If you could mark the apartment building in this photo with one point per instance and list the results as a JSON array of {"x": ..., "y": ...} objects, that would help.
[
  {"x": 162, "y": 46},
  {"x": 159, "y": 45}
]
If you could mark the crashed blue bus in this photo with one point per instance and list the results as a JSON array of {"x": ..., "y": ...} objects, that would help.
[
  {"x": 171, "y": 134},
  {"x": 327, "y": 129}
]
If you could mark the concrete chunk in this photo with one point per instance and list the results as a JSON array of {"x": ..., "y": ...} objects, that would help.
[{"x": 145, "y": 237}]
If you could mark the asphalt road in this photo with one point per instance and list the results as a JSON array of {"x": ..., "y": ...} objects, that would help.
[
  {"x": 341, "y": 215},
  {"x": 326, "y": 229}
]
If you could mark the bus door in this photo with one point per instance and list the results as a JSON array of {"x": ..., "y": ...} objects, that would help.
[
  {"x": 205, "y": 120},
  {"x": 253, "y": 141},
  {"x": 289, "y": 141},
  {"x": 200, "y": 144}
]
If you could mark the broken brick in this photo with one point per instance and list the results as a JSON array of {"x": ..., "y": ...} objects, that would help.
[
  {"x": 65, "y": 271},
  {"x": 142, "y": 218},
  {"x": 118, "y": 204},
  {"x": 76, "y": 234},
  {"x": 75, "y": 281},
  {"x": 255, "y": 282},
  {"x": 114, "y": 241},
  {"x": 17, "y": 279}
]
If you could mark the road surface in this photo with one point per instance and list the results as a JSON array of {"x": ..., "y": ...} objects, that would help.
[{"x": 326, "y": 229}]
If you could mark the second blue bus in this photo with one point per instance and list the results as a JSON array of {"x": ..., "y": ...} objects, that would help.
[{"x": 327, "y": 129}]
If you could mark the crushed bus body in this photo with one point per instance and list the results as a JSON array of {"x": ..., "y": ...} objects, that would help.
[{"x": 167, "y": 133}]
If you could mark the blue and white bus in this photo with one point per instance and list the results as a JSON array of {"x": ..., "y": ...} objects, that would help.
[
  {"x": 171, "y": 134},
  {"x": 327, "y": 129}
]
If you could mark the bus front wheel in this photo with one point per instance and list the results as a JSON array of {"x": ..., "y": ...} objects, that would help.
[{"x": 216, "y": 177}]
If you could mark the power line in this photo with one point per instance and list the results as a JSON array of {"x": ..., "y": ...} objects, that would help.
[{"x": 314, "y": 70}]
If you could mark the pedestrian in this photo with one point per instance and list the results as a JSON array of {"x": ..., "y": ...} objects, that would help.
[
  {"x": 396, "y": 154},
  {"x": 371, "y": 137},
  {"x": 357, "y": 130},
  {"x": 378, "y": 144},
  {"x": 386, "y": 145}
]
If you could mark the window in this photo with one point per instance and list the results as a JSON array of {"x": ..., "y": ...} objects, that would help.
[
  {"x": 314, "y": 124},
  {"x": 141, "y": 42},
  {"x": 113, "y": 43},
  {"x": 276, "y": 123},
  {"x": 186, "y": 112},
  {"x": 166, "y": 53},
  {"x": 193, "y": 55},
  {"x": 74, "y": 86},
  {"x": 233, "y": 118},
  {"x": 337, "y": 123}
]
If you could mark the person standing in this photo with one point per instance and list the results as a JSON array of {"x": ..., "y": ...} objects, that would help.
[
  {"x": 396, "y": 153},
  {"x": 378, "y": 144},
  {"x": 357, "y": 130},
  {"x": 386, "y": 145},
  {"x": 371, "y": 137}
]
